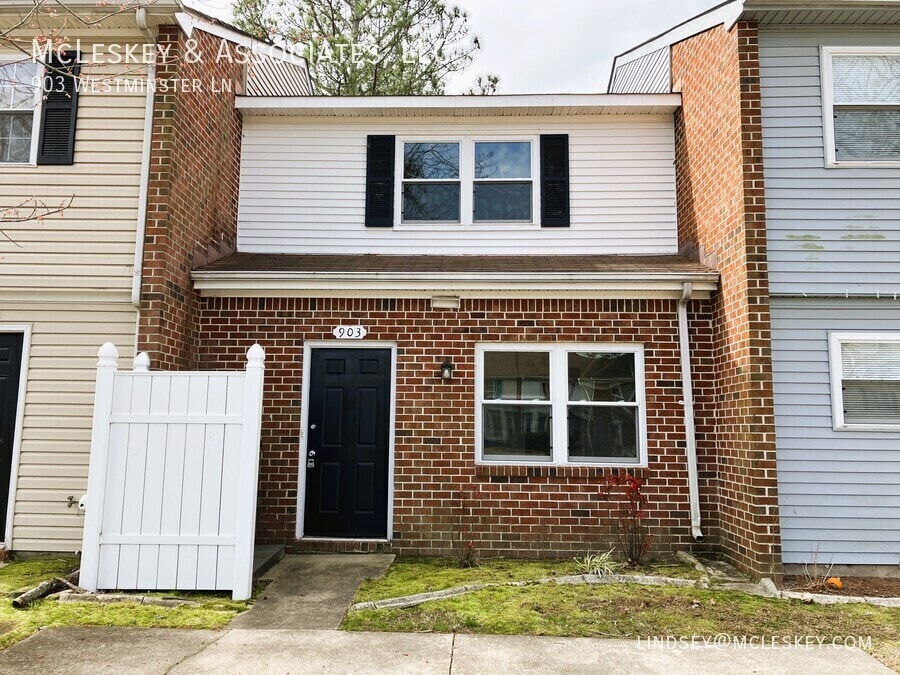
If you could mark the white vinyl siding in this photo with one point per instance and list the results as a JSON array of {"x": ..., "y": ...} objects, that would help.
[
  {"x": 303, "y": 187},
  {"x": 831, "y": 231},
  {"x": 838, "y": 490}
]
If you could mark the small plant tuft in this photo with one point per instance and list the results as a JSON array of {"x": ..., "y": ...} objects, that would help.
[
  {"x": 816, "y": 573},
  {"x": 598, "y": 564},
  {"x": 632, "y": 531}
]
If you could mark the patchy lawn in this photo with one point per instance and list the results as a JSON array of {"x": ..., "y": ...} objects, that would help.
[
  {"x": 215, "y": 610},
  {"x": 408, "y": 576},
  {"x": 614, "y": 611}
]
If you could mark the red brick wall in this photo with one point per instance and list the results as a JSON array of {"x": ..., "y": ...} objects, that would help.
[
  {"x": 192, "y": 200},
  {"x": 521, "y": 511},
  {"x": 721, "y": 213}
]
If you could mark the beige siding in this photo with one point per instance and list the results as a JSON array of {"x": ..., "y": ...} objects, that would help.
[
  {"x": 69, "y": 278},
  {"x": 59, "y": 395}
]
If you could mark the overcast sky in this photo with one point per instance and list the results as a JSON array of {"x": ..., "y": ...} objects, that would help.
[
  {"x": 563, "y": 46},
  {"x": 555, "y": 46}
]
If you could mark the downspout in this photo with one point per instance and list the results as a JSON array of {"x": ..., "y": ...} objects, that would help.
[
  {"x": 137, "y": 274},
  {"x": 688, "y": 403}
]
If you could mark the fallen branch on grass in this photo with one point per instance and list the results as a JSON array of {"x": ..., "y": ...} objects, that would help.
[{"x": 45, "y": 588}]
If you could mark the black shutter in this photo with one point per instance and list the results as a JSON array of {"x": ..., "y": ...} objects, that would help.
[
  {"x": 555, "y": 180},
  {"x": 56, "y": 144},
  {"x": 380, "y": 181}
]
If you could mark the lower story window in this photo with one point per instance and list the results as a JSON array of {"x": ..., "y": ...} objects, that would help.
[
  {"x": 865, "y": 380},
  {"x": 561, "y": 404}
]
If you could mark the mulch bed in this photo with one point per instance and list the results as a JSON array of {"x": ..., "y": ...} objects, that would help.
[{"x": 872, "y": 587}]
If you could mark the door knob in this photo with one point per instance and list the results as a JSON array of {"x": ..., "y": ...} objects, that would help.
[{"x": 312, "y": 453}]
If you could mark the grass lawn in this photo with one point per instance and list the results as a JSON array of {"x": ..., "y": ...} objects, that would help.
[
  {"x": 408, "y": 576},
  {"x": 613, "y": 611},
  {"x": 215, "y": 610}
]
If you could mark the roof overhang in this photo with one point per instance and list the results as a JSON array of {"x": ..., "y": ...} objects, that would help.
[
  {"x": 214, "y": 283},
  {"x": 459, "y": 106}
]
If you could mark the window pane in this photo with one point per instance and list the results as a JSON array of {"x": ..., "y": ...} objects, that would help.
[
  {"x": 871, "y": 360},
  {"x": 867, "y": 134},
  {"x": 866, "y": 79},
  {"x": 431, "y": 201},
  {"x": 601, "y": 376},
  {"x": 516, "y": 376},
  {"x": 503, "y": 201},
  {"x": 15, "y": 137},
  {"x": 18, "y": 82},
  {"x": 599, "y": 432},
  {"x": 871, "y": 402},
  {"x": 503, "y": 160},
  {"x": 516, "y": 430},
  {"x": 431, "y": 160}
]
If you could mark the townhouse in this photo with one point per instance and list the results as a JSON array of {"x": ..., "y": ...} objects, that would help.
[
  {"x": 72, "y": 280},
  {"x": 810, "y": 92}
]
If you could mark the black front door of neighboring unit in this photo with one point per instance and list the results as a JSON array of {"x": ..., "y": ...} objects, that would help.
[
  {"x": 347, "y": 443},
  {"x": 10, "y": 372}
]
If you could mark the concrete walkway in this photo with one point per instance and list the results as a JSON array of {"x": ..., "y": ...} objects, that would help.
[
  {"x": 96, "y": 651},
  {"x": 312, "y": 591}
]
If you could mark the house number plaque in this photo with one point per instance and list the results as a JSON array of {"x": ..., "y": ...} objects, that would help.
[{"x": 349, "y": 332}]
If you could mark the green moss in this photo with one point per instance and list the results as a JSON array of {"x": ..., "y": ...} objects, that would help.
[
  {"x": 625, "y": 611},
  {"x": 408, "y": 576},
  {"x": 215, "y": 610}
]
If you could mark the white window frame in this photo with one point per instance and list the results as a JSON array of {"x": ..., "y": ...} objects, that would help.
[
  {"x": 7, "y": 58},
  {"x": 826, "y": 54},
  {"x": 559, "y": 400},
  {"x": 835, "y": 340},
  {"x": 467, "y": 183}
]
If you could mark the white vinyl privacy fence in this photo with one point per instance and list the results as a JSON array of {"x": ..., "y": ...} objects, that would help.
[{"x": 171, "y": 501}]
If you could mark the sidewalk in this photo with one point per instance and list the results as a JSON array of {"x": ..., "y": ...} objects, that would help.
[{"x": 92, "y": 651}]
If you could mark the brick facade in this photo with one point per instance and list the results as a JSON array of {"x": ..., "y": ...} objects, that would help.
[
  {"x": 193, "y": 188},
  {"x": 520, "y": 511},
  {"x": 721, "y": 213}
]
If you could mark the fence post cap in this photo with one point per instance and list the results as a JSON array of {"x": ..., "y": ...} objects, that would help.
[
  {"x": 142, "y": 363},
  {"x": 108, "y": 354},
  {"x": 256, "y": 354}
]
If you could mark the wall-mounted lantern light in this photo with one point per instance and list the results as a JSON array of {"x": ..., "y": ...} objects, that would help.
[{"x": 446, "y": 370}]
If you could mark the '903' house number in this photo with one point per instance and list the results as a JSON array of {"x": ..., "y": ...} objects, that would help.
[{"x": 349, "y": 332}]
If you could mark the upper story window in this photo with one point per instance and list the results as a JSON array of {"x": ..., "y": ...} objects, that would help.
[
  {"x": 561, "y": 404},
  {"x": 467, "y": 181},
  {"x": 20, "y": 96},
  {"x": 865, "y": 380},
  {"x": 861, "y": 101}
]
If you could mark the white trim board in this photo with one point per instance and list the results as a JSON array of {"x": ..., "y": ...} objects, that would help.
[
  {"x": 308, "y": 346},
  {"x": 25, "y": 329},
  {"x": 836, "y": 375},
  {"x": 826, "y": 55}
]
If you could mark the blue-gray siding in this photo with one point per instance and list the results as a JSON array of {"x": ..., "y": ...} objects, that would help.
[
  {"x": 648, "y": 74},
  {"x": 838, "y": 490},
  {"x": 832, "y": 231}
]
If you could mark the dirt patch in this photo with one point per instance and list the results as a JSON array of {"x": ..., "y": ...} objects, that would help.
[
  {"x": 872, "y": 587},
  {"x": 6, "y": 626}
]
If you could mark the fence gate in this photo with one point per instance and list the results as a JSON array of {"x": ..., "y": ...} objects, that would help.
[{"x": 171, "y": 501}]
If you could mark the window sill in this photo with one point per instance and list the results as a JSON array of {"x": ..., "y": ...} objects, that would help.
[
  {"x": 456, "y": 227},
  {"x": 868, "y": 427},
  {"x": 554, "y": 470},
  {"x": 18, "y": 165},
  {"x": 874, "y": 164}
]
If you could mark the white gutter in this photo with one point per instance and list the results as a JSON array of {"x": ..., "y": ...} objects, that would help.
[
  {"x": 142, "y": 190},
  {"x": 688, "y": 403}
]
